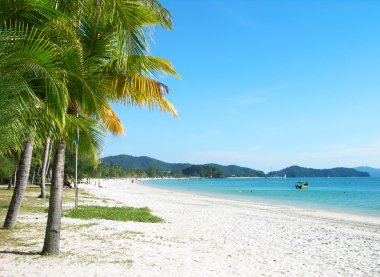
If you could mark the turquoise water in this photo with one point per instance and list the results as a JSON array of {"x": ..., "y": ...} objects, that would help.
[{"x": 356, "y": 195}]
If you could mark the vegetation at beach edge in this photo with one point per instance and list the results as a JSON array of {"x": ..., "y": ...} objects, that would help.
[
  {"x": 114, "y": 213},
  {"x": 19, "y": 237}
]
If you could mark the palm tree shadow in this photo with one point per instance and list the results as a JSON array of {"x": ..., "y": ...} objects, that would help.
[{"x": 26, "y": 253}]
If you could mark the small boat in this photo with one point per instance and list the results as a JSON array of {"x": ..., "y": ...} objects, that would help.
[{"x": 301, "y": 185}]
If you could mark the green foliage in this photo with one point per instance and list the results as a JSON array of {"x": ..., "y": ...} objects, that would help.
[
  {"x": 85, "y": 164},
  {"x": 130, "y": 162},
  {"x": 237, "y": 171},
  {"x": 31, "y": 203},
  {"x": 202, "y": 171},
  {"x": 32, "y": 84},
  {"x": 114, "y": 213},
  {"x": 7, "y": 166}
]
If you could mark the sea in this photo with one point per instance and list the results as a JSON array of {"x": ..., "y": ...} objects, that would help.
[{"x": 349, "y": 195}]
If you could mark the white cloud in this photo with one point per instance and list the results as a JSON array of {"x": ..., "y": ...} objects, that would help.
[
  {"x": 260, "y": 95},
  {"x": 350, "y": 155},
  {"x": 326, "y": 157}
]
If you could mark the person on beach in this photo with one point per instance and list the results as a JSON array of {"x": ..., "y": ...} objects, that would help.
[{"x": 67, "y": 183}]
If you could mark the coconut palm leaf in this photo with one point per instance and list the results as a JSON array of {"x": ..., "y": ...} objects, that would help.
[
  {"x": 27, "y": 57},
  {"x": 91, "y": 135},
  {"x": 31, "y": 12},
  {"x": 111, "y": 121}
]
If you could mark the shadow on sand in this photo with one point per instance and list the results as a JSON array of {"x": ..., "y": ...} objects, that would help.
[{"x": 26, "y": 253}]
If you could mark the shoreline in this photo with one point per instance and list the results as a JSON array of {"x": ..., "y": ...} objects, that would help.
[
  {"x": 200, "y": 235},
  {"x": 257, "y": 203},
  {"x": 334, "y": 212}
]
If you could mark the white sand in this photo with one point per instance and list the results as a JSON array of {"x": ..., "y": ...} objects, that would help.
[{"x": 204, "y": 236}]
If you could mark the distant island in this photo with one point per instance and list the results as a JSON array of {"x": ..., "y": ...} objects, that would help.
[
  {"x": 373, "y": 172},
  {"x": 156, "y": 168},
  {"x": 300, "y": 172}
]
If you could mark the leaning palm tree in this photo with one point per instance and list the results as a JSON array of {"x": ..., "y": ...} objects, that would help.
[
  {"x": 91, "y": 139},
  {"x": 105, "y": 63},
  {"x": 33, "y": 93}
]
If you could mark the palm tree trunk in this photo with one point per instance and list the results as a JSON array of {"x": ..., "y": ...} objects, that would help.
[
  {"x": 48, "y": 169},
  {"x": 10, "y": 182},
  {"x": 34, "y": 174},
  {"x": 22, "y": 179},
  {"x": 44, "y": 168},
  {"x": 53, "y": 228},
  {"x": 12, "y": 179},
  {"x": 15, "y": 177}
]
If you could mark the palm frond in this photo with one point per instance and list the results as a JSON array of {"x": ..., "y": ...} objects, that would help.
[
  {"x": 31, "y": 12},
  {"x": 111, "y": 121},
  {"x": 91, "y": 135},
  {"x": 25, "y": 52}
]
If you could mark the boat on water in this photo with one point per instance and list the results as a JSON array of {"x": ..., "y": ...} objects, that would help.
[{"x": 301, "y": 185}]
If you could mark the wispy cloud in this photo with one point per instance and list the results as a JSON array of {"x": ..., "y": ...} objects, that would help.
[
  {"x": 349, "y": 152},
  {"x": 275, "y": 88},
  {"x": 232, "y": 14},
  {"x": 261, "y": 95},
  {"x": 243, "y": 158},
  {"x": 325, "y": 157}
]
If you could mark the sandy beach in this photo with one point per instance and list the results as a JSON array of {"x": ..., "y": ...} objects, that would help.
[{"x": 201, "y": 236}]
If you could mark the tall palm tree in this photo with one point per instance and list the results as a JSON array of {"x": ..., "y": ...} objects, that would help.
[
  {"x": 109, "y": 65},
  {"x": 61, "y": 65},
  {"x": 33, "y": 87}
]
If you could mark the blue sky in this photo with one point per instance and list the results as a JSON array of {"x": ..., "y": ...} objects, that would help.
[{"x": 265, "y": 84}]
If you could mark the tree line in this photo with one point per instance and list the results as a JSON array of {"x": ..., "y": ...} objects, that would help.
[
  {"x": 86, "y": 170},
  {"x": 105, "y": 171},
  {"x": 62, "y": 64}
]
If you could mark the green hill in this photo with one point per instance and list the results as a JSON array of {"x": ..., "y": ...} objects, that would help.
[
  {"x": 238, "y": 171},
  {"x": 203, "y": 171},
  {"x": 145, "y": 163},
  {"x": 131, "y": 162},
  {"x": 300, "y": 172}
]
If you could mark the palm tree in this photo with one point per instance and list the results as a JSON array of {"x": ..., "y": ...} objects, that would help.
[
  {"x": 61, "y": 64},
  {"x": 33, "y": 94},
  {"x": 111, "y": 67}
]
